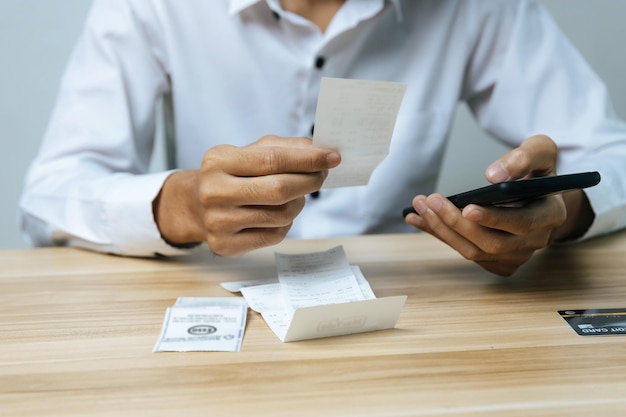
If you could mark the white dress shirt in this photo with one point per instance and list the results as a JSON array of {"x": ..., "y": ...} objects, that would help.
[{"x": 240, "y": 69}]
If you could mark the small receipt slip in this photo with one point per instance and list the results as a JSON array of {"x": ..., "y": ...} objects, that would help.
[
  {"x": 599, "y": 322},
  {"x": 356, "y": 118},
  {"x": 203, "y": 324}
]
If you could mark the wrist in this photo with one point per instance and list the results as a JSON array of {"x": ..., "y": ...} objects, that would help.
[{"x": 177, "y": 212}]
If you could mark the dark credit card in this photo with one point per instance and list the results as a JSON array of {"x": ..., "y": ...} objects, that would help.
[{"x": 598, "y": 322}]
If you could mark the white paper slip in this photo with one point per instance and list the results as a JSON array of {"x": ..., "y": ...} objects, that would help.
[
  {"x": 203, "y": 325},
  {"x": 319, "y": 294},
  {"x": 317, "y": 278},
  {"x": 356, "y": 118},
  {"x": 265, "y": 297},
  {"x": 278, "y": 321},
  {"x": 346, "y": 318},
  {"x": 366, "y": 290},
  {"x": 316, "y": 322},
  {"x": 236, "y": 286}
]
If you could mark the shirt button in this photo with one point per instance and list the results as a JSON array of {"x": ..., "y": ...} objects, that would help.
[
  {"x": 276, "y": 15},
  {"x": 319, "y": 62},
  {"x": 312, "y": 129}
]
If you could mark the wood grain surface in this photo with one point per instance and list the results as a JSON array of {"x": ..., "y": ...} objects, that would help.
[{"x": 77, "y": 330}]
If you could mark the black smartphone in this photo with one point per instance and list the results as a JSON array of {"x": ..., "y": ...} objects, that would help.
[{"x": 512, "y": 192}]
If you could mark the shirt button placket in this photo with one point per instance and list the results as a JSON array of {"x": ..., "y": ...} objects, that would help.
[{"x": 319, "y": 64}]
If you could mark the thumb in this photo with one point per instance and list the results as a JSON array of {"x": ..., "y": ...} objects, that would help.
[{"x": 535, "y": 157}]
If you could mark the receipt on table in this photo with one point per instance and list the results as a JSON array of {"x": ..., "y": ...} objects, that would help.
[
  {"x": 356, "y": 118},
  {"x": 319, "y": 294},
  {"x": 203, "y": 324},
  {"x": 317, "y": 278}
]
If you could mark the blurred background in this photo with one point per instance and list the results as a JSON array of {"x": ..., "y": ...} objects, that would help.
[{"x": 36, "y": 38}]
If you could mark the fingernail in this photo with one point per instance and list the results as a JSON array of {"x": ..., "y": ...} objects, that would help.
[
  {"x": 421, "y": 207},
  {"x": 497, "y": 172},
  {"x": 333, "y": 159},
  {"x": 435, "y": 204}
]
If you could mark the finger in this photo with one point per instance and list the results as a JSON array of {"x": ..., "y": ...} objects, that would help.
[
  {"x": 229, "y": 221},
  {"x": 476, "y": 241},
  {"x": 252, "y": 217},
  {"x": 543, "y": 214},
  {"x": 267, "y": 190},
  {"x": 494, "y": 250},
  {"x": 247, "y": 240},
  {"x": 267, "y": 160},
  {"x": 535, "y": 157},
  {"x": 440, "y": 221}
]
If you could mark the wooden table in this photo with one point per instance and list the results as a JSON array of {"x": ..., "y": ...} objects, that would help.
[{"x": 77, "y": 331}]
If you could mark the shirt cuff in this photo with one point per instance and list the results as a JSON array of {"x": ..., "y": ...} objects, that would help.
[{"x": 129, "y": 216}]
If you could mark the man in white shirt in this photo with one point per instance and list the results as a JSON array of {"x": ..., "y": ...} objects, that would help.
[{"x": 239, "y": 70}]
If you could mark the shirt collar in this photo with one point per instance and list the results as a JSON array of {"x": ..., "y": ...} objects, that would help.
[{"x": 236, "y": 6}]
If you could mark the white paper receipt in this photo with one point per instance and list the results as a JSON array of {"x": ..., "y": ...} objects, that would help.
[
  {"x": 203, "y": 324},
  {"x": 319, "y": 294},
  {"x": 356, "y": 118},
  {"x": 316, "y": 278}
]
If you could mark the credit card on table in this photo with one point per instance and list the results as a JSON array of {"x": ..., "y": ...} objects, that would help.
[{"x": 596, "y": 322}]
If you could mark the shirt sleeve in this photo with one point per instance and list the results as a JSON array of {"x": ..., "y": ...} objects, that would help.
[
  {"x": 526, "y": 78},
  {"x": 89, "y": 186}
]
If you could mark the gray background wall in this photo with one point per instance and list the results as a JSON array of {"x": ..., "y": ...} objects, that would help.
[{"x": 36, "y": 37}]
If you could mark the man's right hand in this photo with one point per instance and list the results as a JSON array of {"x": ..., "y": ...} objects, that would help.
[{"x": 242, "y": 199}]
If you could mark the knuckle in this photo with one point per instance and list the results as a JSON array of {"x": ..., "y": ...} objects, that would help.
[
  {"x": 317, "y": 162},
  {"x": 277, "y": 190},
  {"x": 453, "y": 221},
  {"x": 495, "y": 246},
  {"x": 472, "y": 254},
  {"x": 263, "y": 217},
  {"x": 219, "y": 247},
  {"x": 267, "y": 140},
  {"x": 270, "y": 190},
  {"x": 208, "y": 196},
  {"x": 212, "y": 224},
  {"x": 547, "y": 141},
  {"x": 273, "y": 160},
  {"x": 280, "y": 216},
  {"x": 521, "y": 157},
  {"x": 214, "y": 157},
  {"x": 270, "y": 236},
  {"x": 216, "y": 225},
  {"x": 532, "y": 224},
  {"x": 252, "y": 191}
]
